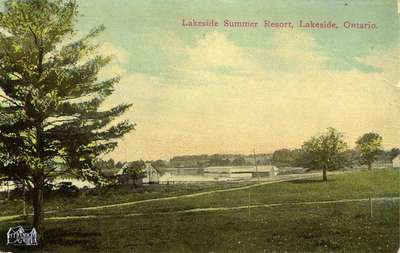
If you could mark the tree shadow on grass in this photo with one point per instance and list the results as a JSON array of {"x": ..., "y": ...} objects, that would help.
[
  {"x": 3, "y": 237},
  {"x": 59, "y": 237},
  {"x": 63, "y": 237}
]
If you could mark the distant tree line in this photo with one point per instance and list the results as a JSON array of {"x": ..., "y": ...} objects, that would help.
[
  {"x": 219, "y": 160},
  {"x": 111, "y": 164},
  {"x": 281, "y": 158},
  {"x": 327, "y": 151},
  {"x": 352, "y": 157}
]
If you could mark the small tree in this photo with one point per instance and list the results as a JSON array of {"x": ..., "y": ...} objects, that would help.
[
  {"x": 134, "y": 170},
  {"x": 325, "y": 151},
  {"x": 286, "y": 157},
  {"x": 239, "y": 161},
  {"x": 369, "y": 146}
]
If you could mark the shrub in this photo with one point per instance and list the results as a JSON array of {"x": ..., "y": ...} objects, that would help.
[{"x": 67, "y": 189}]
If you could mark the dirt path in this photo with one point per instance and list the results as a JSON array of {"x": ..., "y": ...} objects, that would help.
[
  {"x": 9, "y": 217},
  {"x": 224, "y": 209},
  {"x": 273, "y": 181},
  {"x": 282, "y": 179}
]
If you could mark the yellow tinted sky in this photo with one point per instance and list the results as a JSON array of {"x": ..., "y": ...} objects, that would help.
[{"x": 232, "y": 91}]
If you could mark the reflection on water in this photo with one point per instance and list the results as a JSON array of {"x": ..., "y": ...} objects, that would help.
[{"x": 78, "y": 183}]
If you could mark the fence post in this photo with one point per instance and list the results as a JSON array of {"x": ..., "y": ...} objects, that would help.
[
  {"x": 249, "y": 204},
  {"x": 370, "y": 205},
  {"x": 8, "y": 190}
]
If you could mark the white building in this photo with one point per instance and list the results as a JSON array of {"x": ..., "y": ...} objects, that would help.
[
  {"x": 241, "y": 172},
  {"x": 152, "y": 175},
  {"x": 396, "y": 162}
]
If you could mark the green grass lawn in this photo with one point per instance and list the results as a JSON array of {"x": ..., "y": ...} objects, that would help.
[
  {"x": 334, "y": 227},
  {"x": 116, "y": 194},
  {"x": 383, "y": 183}
]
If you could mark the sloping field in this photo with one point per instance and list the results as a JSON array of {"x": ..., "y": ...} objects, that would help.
[{"x": 305, "y": 215}]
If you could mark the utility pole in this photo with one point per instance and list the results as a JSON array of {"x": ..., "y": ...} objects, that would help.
[{"x": 255, "y": 164}]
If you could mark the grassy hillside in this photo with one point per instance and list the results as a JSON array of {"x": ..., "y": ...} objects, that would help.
[
  {"x": 114, "y": 195},
  {"x": 318, "y": 227},
  {"x": 382, "y": 183}
]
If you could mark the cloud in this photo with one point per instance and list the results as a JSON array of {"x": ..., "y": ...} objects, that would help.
[
  {"x": 119, "y": 55},
  {"x": 388, "y": 61},
  {"x": 297, "y": 48},
  {"x": 214, "y": 51},
  {"x": 221, "y": 97},
  {"x": 398, "y": 6},
  {"x": 119, "y": 59}
]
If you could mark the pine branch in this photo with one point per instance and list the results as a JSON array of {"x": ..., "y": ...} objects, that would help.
[{"x": 15, "y": 103}]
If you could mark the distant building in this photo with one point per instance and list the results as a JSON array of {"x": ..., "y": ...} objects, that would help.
[
  {"x": 292, "y": 170},
  {"x": 241, "y": 172},
  {"x": 152, "y": 176},
  {"x": 262, "y": 159},
  {"x": 181, "y": 171},
  {"x": 396, "y": 162}
]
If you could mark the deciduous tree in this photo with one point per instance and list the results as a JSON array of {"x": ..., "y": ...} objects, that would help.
[
  {"x": 134, "y": 170},
  {"x": 369, "y": 145},
  {"x": 325, "y": 151}
]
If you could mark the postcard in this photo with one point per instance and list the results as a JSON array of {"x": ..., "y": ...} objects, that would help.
[{"x": 199, "y": 126}]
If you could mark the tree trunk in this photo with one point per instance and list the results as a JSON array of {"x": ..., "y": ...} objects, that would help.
[
  {"x": 38, "y": 201},
  {"x": 38, "y": 210},
  {"x": 324, "y": 178}
]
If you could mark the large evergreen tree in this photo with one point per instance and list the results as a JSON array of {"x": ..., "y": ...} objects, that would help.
[{"x": 50, "y": 97}]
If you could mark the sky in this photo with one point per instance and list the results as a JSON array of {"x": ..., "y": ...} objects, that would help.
[{"x": 231, "y": 90}]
